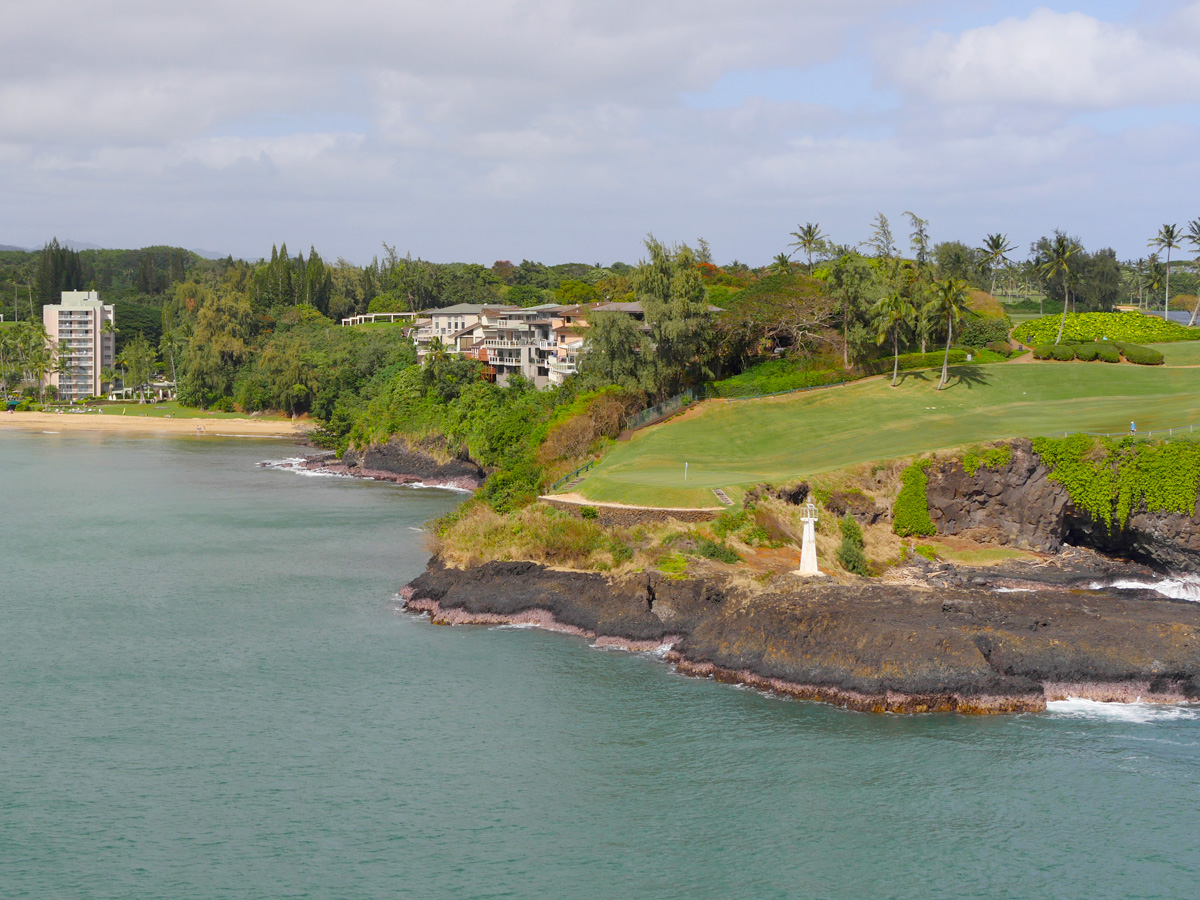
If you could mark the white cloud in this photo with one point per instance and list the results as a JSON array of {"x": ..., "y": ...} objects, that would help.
[
  {"x": 1068, "y": 60},
  {"x": 550, "y": 128}
]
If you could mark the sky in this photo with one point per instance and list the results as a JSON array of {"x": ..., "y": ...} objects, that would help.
[{"x": 568, "y": 130}]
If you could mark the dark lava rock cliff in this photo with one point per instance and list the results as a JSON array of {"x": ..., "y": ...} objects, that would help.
[
  {"x": 1021, "y": 506},
  {"x": 865, "y": 646}
]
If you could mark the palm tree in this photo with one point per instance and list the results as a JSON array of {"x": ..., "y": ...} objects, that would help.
[
  {"x": 809, "y": 239},
  {"x": 995, "y": 251},
  {"x": 1058, "y": 261},
  {"x": 948, "y": 303},
  {"x": 1168, "y": 237},
  {"x": 1193, "y": 237},
  {"x": 781, "y": 264},
  {"x": 892, "y": 313}
]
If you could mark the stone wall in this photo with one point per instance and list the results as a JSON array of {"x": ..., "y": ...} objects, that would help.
[{"x": 629, "y": 516}]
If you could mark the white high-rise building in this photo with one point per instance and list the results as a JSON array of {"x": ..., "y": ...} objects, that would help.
[{"x": 77, "y": 327}]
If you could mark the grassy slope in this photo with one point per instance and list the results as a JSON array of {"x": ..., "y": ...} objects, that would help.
[{"x": 731, "y": 444}]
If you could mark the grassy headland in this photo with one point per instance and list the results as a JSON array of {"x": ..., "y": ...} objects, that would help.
[{"x": 733, "y": 445}]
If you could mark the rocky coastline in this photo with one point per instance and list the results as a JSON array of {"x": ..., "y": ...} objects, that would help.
[
  {"x": 398, "y": 463},
  {"x": 931, "y": 637},
  {"x": 868, "y": 647}
]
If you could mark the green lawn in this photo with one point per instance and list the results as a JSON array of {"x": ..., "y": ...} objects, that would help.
[
  {"x": 1180, "y": 353},
  {"x": 171, "y": 409},
  {"x": 732, "y": 445}
]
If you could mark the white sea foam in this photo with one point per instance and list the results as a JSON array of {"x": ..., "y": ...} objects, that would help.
[
  {"x": 1002, "y": 590},
  {"x": 296, "y": 464},
  {"x": 1139, "y": 713},
  {"x": 1177, "y": 587},
  {"x": 437, "y": 487}
]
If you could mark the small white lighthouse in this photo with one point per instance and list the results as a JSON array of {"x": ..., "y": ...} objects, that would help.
[{"x": 808, "y": 545}]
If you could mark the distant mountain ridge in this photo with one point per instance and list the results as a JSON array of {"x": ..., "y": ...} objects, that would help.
[{"x": 82, "y": 245}]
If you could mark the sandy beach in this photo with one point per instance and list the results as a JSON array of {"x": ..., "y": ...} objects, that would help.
[{"x": 134, "y": 424}]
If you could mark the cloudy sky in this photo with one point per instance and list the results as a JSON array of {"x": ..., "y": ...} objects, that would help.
[{"x": 565, "y": 130}]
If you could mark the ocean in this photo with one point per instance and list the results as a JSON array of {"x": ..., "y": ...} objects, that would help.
[{"x": 206, "y": 691}]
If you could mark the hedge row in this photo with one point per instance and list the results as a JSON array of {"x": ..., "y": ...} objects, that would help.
[
  {"x": 1105, "y": 352},
  {"x": 772, "y": 377},
  {"x": 1143, "y": 356}
]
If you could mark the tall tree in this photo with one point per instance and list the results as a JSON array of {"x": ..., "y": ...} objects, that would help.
[
  {"x": 809, "y": 239},
  {"x": 919, "y": 239},
  {"x": 1058, "y": 263},
  {"x": 995, "y": 251},
  {"x": 1168, "y": 238},
  {"x": 947, "y": 306},
  {"x": 881, "y": 240},
  {"x": 1193, "y": 237},
  {"x": 893, "y": 314},
  {"x": 672, "y": 293},
  {"x": 852, "y": 282}
]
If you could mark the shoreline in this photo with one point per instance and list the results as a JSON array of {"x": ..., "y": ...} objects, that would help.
[
  {"x": 69, "y": 423},
  {"x": 868, "y": 648},
  {"x": 1122, "y": 693}
]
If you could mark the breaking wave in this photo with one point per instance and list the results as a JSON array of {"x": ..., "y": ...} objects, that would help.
[
  {"x": 1139, "y": 713},
  {"x": 1177, "y": 587}
]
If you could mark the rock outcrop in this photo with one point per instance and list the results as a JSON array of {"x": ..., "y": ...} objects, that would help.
[
  {"x": 1021, "y": 506},
  {"x": 398, "y": 462},
  {"x": 872, "y": 647}
]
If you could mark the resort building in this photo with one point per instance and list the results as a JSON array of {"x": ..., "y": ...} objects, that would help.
[
  {"x": 75, "y": 329},
  {"x": 541, "y": 343}
]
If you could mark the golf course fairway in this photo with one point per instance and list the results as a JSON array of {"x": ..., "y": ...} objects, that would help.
[{"x": 736, "y": 444}]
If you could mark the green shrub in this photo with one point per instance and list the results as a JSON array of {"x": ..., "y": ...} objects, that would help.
[
  {"x": 673, "y": 565},
  {"x": 908, "y": 361},
  {"x": 1087, "y": 352},
  {"x": 850, "y": 554},
  {"x": 757, "y": 536},
  {"x": 728, "y": 522},
  {"x": 1122, "y": 326},
  {"x": 926, "y": 551},
  {"x": 621, "y": 552},
  {"x": 1043, "y": 351},
  {"x": 1063, "y": 352},
  {"x": 980, "y": 332},
  {"x": 510, "y": 489},
  {"x": 1108, "y": 353},
  {"x": 720, "y": 552},
  {"x": 774, "y": 376},
  {"x": 910, "y": 515},
  {"x": 991, "y": 458},
  {"x": 1142, "y": 356},
  {"x": 588, "y": 512}
]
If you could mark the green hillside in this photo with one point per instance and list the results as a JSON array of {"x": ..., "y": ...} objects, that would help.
[{"x": 737, "y": 444}]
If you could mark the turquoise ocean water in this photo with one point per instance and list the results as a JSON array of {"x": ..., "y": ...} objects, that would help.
[{"x": 205, "y": 692}]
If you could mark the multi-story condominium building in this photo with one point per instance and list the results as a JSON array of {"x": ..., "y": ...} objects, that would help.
[
  {"x": 541, "y": 343},
  {"x": 76, "y": 330}
]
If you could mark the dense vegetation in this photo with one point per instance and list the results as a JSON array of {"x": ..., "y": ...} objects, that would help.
[
  {"x": 910, "y": 516},
  {"x": 1122, "y": 326},
  {"x": 1112, "y": 478}
]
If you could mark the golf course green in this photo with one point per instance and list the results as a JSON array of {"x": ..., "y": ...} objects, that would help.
[{"x": 735, "y": 444}]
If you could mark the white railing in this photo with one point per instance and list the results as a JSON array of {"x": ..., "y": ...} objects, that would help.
[{"x": 510, "y": 345}]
